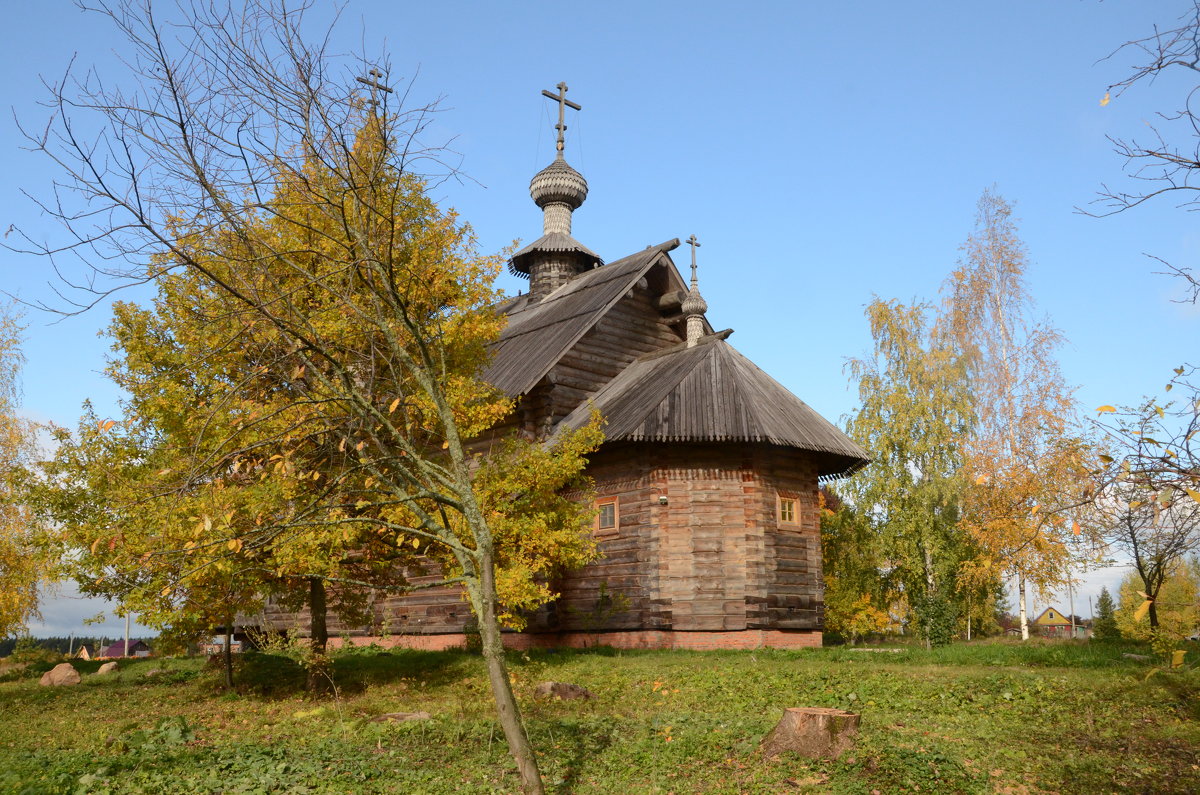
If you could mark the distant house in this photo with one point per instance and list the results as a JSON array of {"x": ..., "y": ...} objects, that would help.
[
  {"x": 84, "y": 653},
  {"x": 214, "y": 647},
  {"x": 137, "y": 648},
  {"x": 1054, "y": 623}
]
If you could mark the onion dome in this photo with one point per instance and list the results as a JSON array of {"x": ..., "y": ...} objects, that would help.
[
  {"x": 693, "y": 303},
  {"x": 558, "y": 183}
]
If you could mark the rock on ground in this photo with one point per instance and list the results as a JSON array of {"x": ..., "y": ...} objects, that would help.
[
  {"x": 563, "y": 690},
  {"x": 107, "y": 668},
  {"x": 61, "y": 674},
  {"x": 400, "y": 716}
]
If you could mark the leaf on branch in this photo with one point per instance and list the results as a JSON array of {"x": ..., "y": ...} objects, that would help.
[
  {"x": 1105, "y": 409},
  {"x": 1141, "y": 612},
  {"x": 394, "y": 406},
  {"x": 1108, "y": 459},
  {"x": 1075, "y": 528},
  {"x": 1195, "y": 495},
  {"x": 1105, "y": 99},
  {"x": 982, "y": 480},
  {"x": 104, "y": 425}
]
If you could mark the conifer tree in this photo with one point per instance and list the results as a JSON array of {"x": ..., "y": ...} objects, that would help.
[{"x": 1104, "y": 627}]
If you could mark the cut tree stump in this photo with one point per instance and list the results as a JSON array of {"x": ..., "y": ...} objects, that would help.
[{"x": 815, "y": 732}]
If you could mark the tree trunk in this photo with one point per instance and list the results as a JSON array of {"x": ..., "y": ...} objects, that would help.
[
  {"x": 318, "y": 634},
  {"x": 506, "y": 702},
  {"x": 815, "y": 732},
  {"x": 1153, "y": 615},
  {"x": 229, "y": 654},
  {"x": 929, "y": 589},
  {"x": 1024, "y": 610}
]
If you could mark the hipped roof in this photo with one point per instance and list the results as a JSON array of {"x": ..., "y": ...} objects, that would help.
[
  {"x": 555, "y": 242},
  {"x": 712, "y": 393}
]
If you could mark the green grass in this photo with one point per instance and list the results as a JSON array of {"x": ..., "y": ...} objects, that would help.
[{"x": 983, "y": 717}]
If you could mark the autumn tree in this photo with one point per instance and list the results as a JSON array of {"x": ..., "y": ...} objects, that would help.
[
  {"x": 247, "y": 160},
  {"x": 21, "y": 564},
  {"x": 1024, "y": 456},
  {"x": 1155, "y": 459},
  {"x": 1149, "y": 508},
  {"x": 1178, "y": 605},
  {"x": 856, "y": 595},
  {"x": 1165, "y": 161},
  {"x": 915, "y": 415}
]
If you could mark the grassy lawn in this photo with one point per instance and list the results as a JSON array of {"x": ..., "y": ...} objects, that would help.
[{"x": 988, "y": 717}]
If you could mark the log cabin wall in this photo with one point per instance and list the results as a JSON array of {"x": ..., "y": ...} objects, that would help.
[
  {"x": 729, "y": 563},
  {"x": 632, "y": 328},
  {"x": 714, "y": 558}
]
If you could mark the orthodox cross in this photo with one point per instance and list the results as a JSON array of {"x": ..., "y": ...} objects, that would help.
[
  {"x": 695, "y": 244},
  {"x": 563, "y": 104},
  {"x": 373, "y": 82}
]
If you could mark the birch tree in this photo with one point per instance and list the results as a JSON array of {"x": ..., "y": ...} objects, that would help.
[
  {"x": 914, "y": 418},
  {"x": 1024, "y": 456},
  {"x": 21, "y": 563}
]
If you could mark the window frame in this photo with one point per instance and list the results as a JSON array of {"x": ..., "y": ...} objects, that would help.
[
  {"x": 793, "y": 504},
  {"x": 601, "y": 504}
]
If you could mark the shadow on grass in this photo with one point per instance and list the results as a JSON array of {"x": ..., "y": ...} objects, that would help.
[{"x": 276, "y": 676}]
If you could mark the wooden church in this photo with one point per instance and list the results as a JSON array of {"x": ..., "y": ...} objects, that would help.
[{"x": 707, "y": 483}]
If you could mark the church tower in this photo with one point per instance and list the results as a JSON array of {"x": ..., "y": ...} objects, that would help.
[{"x": 558, "y": 189}]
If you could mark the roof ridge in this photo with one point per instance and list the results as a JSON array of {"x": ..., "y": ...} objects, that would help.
[{"x": 553, "y": 310}]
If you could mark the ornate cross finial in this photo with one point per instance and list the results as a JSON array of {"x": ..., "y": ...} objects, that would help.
[
  {"x": 374, "y": 82},
  {"x": 563, "y": 104},
  {"x": 695, "y": 244}
]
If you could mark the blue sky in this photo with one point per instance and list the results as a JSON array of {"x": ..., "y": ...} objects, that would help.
[{"x": 823, "y": 153}]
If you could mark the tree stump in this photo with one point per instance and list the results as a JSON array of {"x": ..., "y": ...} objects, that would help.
[{"x": 815, "y": 732}]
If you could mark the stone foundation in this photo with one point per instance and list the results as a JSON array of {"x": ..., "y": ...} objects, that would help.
[{"x": 633, "y": 639}]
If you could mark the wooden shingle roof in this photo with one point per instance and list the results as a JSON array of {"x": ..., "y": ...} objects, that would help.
[
  {"x": 538, "y": 333},
  {"x": 712, "y": 393},
  {"x": 557, "y": 242}
]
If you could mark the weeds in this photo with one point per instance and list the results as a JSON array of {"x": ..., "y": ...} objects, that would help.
[{"x": 966, "y": 718}]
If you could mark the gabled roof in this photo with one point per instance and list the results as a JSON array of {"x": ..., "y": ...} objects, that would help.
[
  {"x": 540, "y": 332},
  {"x": 1059, "y": 617},
  {"x": 712, "y": 393}
]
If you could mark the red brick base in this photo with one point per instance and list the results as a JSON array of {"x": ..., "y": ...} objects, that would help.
[{"x": 634, "y": 639}]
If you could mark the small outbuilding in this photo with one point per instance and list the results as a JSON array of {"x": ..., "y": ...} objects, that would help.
[{"x": 136, "y": 648}]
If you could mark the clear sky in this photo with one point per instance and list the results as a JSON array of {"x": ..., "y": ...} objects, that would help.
[{"x": 823, "y": 153}]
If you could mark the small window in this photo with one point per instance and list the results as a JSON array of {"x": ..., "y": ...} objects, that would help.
[
  {"x": 606, "y": 518},
  {"x": 787, "y": 510}
]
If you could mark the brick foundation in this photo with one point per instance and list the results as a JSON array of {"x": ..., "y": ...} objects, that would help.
[{"x": 634, "y": 639}]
